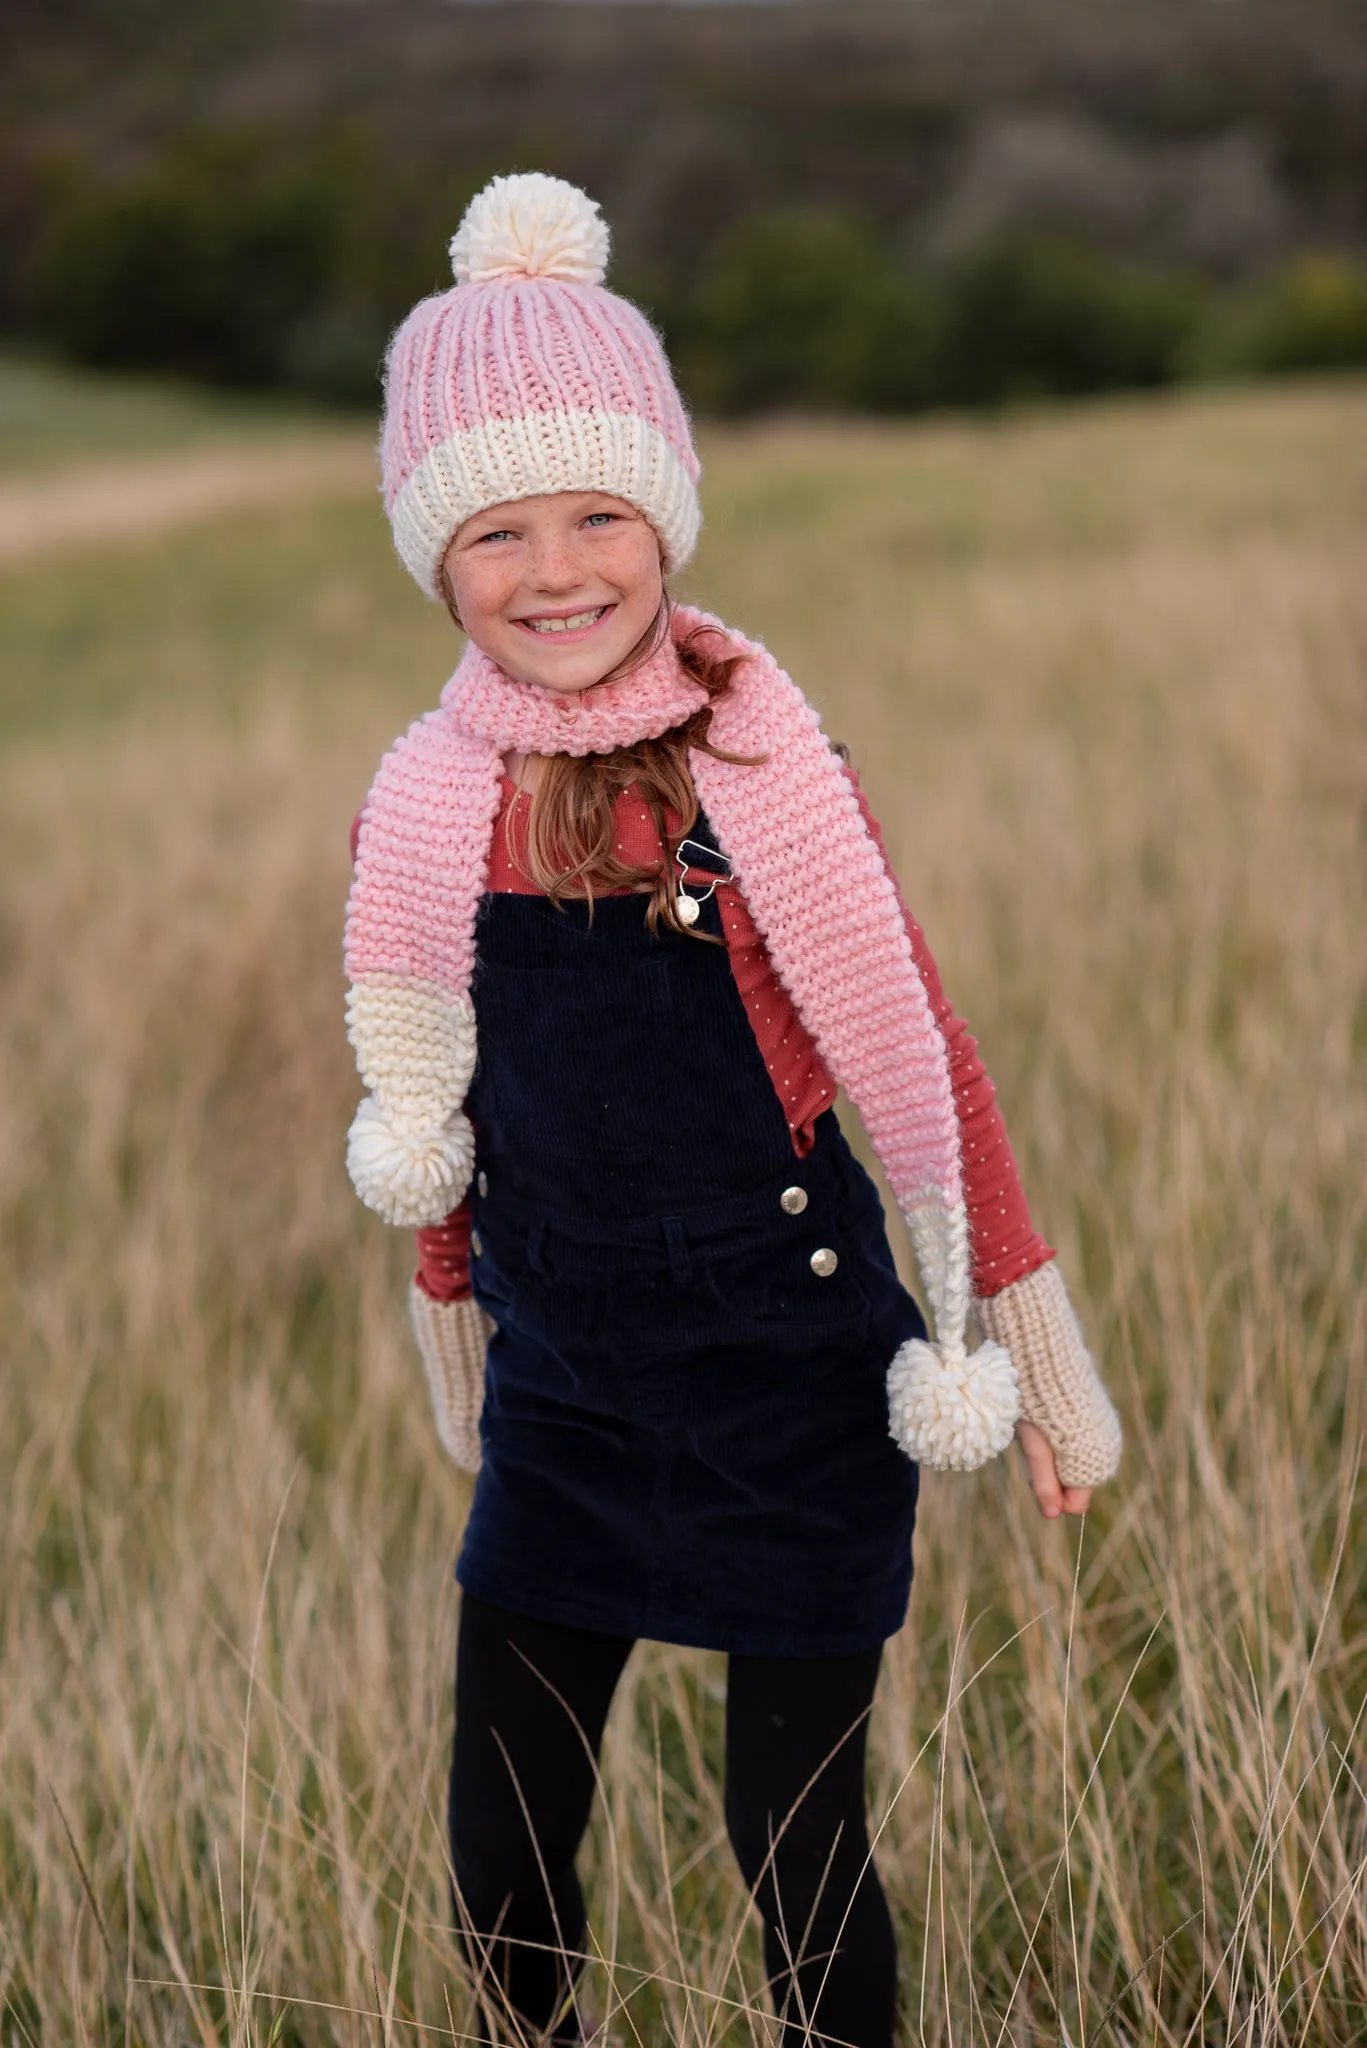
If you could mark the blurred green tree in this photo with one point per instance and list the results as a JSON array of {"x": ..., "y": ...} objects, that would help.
[
  {"x": 801, "y": 307},
  {"x": 202, "y": 265},
  {"x": 1036, "y": 316},
  {"x": 1311, "y": 316}
]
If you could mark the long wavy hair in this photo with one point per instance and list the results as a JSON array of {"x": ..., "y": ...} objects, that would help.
[{"x": 565, "y": 841}]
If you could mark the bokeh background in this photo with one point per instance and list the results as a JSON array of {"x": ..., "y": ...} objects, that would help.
[
  {"x": 882, "y": 207},
  {"x": 1027, "y": 344}
]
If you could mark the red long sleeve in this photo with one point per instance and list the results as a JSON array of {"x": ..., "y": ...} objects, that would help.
[{"x": 444, "y": 1257}]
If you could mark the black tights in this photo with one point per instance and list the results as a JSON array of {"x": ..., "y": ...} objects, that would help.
[{"x": 522, "y": 1789}]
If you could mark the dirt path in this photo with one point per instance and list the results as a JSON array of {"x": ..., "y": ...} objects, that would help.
[{"x": 143, "y": 495}]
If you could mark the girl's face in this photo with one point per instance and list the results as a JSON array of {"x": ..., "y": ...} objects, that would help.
[{"x": 557, "y": 589}]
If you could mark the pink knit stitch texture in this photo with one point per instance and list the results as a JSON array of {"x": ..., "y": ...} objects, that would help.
[
  {"x": 823, "y": 901},
  {"x": 414, "y": 918},
  {"x": 516, "y": 346},
  {"x": 654, "y": 697}
]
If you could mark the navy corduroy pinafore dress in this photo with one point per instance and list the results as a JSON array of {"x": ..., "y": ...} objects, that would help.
[{"x": 685, "y": 1425}]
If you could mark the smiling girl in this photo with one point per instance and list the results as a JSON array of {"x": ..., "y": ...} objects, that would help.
[
  {"x": 560, "y": 590},
  {"x": 621, "y": 924}
]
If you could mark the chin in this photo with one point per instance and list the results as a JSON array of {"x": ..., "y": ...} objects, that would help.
[{"x": 580, "y": 672}]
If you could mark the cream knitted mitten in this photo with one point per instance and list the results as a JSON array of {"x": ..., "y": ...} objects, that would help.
[
  {"x": 453, "y": 1337},
  {"x": 1059, "y": 1388}
]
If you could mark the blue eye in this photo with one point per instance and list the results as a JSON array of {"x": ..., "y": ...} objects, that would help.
[
  {"x": 499, "y": 533},
  {"x": 599, "y": 515}
]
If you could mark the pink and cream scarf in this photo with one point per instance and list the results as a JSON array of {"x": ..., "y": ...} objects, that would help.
[{"x": 819, "y": 894}]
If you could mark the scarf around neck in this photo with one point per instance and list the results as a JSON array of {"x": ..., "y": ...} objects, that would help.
[{"x": 819, "y": 894}]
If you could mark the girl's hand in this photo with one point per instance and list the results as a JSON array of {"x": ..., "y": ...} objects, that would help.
[{"x": 1054, "y": 1498}]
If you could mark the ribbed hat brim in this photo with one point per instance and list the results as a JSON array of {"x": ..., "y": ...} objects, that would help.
[{"x": 499, "y": 461}]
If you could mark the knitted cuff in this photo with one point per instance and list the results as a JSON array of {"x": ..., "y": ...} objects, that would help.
[
  {"x": 1059, "y": 1388},
  {"x": 453, "y": 1337}
]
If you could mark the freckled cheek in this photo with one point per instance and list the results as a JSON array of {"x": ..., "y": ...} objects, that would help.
[
  {"x": 635, "y": 572},
  {"x": 483, "y": 589}
]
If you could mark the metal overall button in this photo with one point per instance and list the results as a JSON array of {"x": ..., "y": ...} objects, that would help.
[
  {"x": 793, "y": 1201},
  {"x": 779, "y": 1288},
  {"x": 476, "y": 1243},
  {"x": 482, "y": 1182}
]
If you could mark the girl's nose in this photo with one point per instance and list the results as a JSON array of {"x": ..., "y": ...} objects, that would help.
[{"x": 556, "y": 565}]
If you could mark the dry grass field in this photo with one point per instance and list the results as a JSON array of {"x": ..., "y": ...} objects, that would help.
[{"x": 1104, "y": 672}]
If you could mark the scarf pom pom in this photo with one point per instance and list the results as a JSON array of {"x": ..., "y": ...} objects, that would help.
[
  {"x": 411, "y": 1178},
  {"x": 953, "y": 1417}
]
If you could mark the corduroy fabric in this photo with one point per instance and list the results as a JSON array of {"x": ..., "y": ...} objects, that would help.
[{"x": 685, "y": 1429}]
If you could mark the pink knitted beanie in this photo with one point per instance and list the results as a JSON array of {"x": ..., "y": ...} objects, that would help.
[{"x": 529, "y": 377}]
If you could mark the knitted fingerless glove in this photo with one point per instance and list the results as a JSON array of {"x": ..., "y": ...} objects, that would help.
[
  {"x": 1059, "y": 1388},
  {"x": 453, "y": 1337}
]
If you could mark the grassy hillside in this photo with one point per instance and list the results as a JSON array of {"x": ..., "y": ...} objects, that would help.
[
  {"x": 1104, "y": 674},
  {"x": 56, "y": 419}
]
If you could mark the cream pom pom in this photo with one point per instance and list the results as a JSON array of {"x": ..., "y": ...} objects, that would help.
[
  {"x": 411, "y": 1178},
  {"x": 530, "y": 225},
  {"x": 954, "y": 1417}
]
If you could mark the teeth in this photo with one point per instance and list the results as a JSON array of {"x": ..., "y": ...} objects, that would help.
[{"x": 576, "y": 621}]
